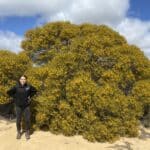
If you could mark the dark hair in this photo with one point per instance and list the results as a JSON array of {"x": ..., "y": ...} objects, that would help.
[{"x": 23, "y": 76}]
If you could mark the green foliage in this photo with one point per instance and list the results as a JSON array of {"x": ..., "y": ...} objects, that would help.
[{"x": 95, "y": 84}]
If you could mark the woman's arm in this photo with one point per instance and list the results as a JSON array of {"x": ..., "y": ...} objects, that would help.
[
  {"x": 11, "y": 91},
  {"x": 33, "y": 90}
]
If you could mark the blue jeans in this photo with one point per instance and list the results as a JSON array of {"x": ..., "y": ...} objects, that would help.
[{"x": 19, "y": 113}]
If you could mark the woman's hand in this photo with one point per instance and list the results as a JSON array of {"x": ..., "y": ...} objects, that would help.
[{"x": 29, "y": 99}]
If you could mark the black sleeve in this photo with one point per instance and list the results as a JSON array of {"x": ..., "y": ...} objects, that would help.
[
  {"x": 33, "y": 90},
  {"x": 11, "y": 91}
]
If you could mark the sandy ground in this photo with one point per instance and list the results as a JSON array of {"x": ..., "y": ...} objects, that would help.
[{"x": 42, "y": 140}]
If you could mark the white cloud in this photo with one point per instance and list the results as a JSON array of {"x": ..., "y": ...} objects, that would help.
[
  {"x": 31, "y": 8},
  {"x": 10, "y": 41},
  {"x": 95, "y": 11},
  {"x": 137, "y": 32},
  {"x": 78, "y": 11}
]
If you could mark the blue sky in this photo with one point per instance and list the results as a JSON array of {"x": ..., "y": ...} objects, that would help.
[
  {"x": 19, "y": 25},
  {"x": 140, "y": 9},
  {"x": 17, "y": 16}
]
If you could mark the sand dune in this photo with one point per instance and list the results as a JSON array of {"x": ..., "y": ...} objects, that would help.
[{"x": 42, "y": 140}]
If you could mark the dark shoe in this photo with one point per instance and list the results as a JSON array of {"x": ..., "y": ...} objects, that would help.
[
  {"x": 18, "y": 135},
  {"x": 27, "y": 134}
]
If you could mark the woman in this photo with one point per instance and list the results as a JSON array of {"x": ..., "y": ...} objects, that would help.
[{"x": 22, "y": 93}]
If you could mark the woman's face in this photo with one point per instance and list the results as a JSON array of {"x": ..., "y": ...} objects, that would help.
[{"x": 23, "y": 80}]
